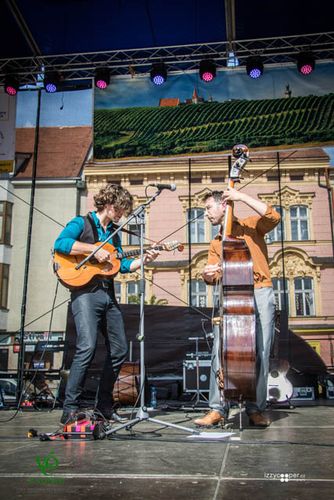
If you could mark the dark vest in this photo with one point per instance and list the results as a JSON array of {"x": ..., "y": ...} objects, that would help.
[{"x": 89, "y": 235}]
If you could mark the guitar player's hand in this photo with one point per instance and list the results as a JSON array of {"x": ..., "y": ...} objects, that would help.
[
  {"x": 151, "y": 255},
  {"x": 102, "y": 255}
]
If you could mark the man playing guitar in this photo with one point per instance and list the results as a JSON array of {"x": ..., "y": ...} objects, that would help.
[{"x": 95, "y": 303}]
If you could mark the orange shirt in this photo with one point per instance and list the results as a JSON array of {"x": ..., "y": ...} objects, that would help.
[{"x": 252, "y": 230}]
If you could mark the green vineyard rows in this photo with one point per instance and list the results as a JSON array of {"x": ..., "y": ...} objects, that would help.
[{"x": 212, "y": 126}]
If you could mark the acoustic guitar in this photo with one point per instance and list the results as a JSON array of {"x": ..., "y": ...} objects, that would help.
[
  {"x": 72, "y": 277},
  {"x": 279, "y": 388}
]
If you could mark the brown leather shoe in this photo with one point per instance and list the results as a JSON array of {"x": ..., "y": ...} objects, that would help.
[
  {"x": 213, "y": 417},
  {"x": 259, "y": 420}
]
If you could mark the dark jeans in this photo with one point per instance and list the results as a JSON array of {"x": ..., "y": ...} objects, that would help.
[{"x": 93, "y": 310}]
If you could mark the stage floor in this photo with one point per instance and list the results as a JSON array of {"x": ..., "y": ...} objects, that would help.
[{"x": 292, "y": 459}]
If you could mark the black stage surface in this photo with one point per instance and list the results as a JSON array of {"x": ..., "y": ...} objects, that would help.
[{"x": 292, "y": 459}]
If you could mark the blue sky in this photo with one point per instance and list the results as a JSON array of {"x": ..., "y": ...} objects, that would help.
[
  {"x": 62, "y": 109},
  {"x": 75, "y": 108},
  {"x": 232, "y": 84}
]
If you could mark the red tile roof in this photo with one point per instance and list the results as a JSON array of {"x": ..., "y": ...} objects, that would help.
[
  {"x": 169, "y": 101},
  {"x": 61, "y": 152}
]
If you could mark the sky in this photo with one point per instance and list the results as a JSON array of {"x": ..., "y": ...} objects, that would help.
[{"x": 231, "y": 84}]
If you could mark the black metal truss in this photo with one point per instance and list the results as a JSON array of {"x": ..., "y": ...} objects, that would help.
[{"x": 81, "y": 66}]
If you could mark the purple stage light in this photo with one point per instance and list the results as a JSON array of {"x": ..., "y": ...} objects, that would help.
[
  {"x": 51, "y": 87},
  {"x": 255, "y": 73},
  {"x": 254, "y": 67},
  {"x": 51, "y": 81},
  {"x": 158, "y": 73},
  {"x": 158, "y": 80}
]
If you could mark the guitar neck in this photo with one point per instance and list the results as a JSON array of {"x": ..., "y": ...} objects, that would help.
[{"x": 133, "y": 253}]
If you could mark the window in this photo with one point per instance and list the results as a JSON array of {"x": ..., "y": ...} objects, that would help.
[
  {"x": 198, "y": 293},
  {"x": 132, "y": 296},
  {"x": 304, "y": 296},
  {"x": 5, "y": 221},
  {"x": 276, "y": 233},
  {"x": 4, "y": 276},
  {"x": 197, "y": 228},
  {"x": 280, "y": 286},
  {"x": 118, "y": 294},
  {"x": 299, "y": 223},
  {"x": 132, "y": 239}
]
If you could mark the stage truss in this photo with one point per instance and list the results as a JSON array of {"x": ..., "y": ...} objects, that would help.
[{"x": 81, "y": 66}]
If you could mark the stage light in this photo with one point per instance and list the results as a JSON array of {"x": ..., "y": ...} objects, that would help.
[
  {"x": 232, "y": 60},
  {"x": 254, "y": 66},
  {"x": 207, "y": 70},
  {"x": 51, "y": 81},
  {"x": 102, "y": 78},
  {"x": 11, "y": 85},
  {"x": 158, "y": 73},
  {"x": 305, "y": 63}
]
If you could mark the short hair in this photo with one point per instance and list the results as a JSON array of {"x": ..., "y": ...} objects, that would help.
[
  {"x": 113, "y": 194},
  {"x": 216, "y": 195}
]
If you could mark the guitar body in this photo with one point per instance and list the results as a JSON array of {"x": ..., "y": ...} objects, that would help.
[
  {"x": 65, "y": 268},
  {"x": 279, "y": 389}
]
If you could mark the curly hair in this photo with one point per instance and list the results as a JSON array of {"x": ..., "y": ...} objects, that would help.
[{"x": 113, "y": 194}]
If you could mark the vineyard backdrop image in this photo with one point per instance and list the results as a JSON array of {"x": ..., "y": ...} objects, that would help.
[{"x": 200, "y": 127}]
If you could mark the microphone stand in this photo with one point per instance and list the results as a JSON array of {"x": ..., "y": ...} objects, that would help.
[{"x": 142, "y": 413}]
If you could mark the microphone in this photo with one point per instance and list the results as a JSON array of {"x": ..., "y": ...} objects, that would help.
[{"x": 172, "y": 187}]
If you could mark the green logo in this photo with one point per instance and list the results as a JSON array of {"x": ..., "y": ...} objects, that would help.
[{"x": 47, "y": 464}]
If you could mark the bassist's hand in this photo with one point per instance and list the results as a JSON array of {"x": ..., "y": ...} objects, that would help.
[{"x": 211, "y": 272}]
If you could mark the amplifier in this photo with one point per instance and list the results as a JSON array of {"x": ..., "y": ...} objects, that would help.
[
  {"x": 303, "y": 393},
  {"x": 190, "y": 377}
]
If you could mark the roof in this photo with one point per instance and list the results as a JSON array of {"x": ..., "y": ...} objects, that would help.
[
  {"x": 34, "y": 28},
  {"x": 169, "y": 101},
  {"x": 61, "y": 152},
  {"x": 66, "y": 26}
]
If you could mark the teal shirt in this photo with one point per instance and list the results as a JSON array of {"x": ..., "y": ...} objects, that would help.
[{"x": 73, "y": 230}]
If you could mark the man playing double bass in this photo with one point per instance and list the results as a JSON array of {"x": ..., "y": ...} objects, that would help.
[{"x": 253, "y": 230}]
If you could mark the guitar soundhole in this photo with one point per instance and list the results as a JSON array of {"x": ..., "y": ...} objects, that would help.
[{"x": 274, "y": 374}]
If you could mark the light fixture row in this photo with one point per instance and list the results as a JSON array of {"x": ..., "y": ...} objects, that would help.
[{"x": 158, "y": 73}]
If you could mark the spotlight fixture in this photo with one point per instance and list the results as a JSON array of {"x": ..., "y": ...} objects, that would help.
[
  {"x": 158, "y": 73},
  {"x": 51, "y": 81},
  {"x": 207, "y": 70},
  {"x": 102, "y": 78},
  {"x": 11, "y": 85},
  {"x": 305, "y": 62},
  {"x": 254, "y": 66}
]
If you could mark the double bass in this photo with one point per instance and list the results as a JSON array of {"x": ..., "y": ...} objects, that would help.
[{"x": 237, "y": 305}]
